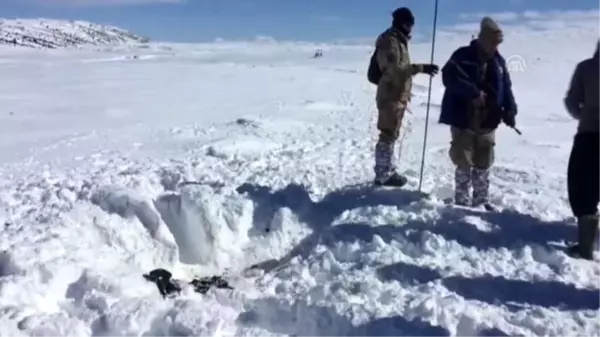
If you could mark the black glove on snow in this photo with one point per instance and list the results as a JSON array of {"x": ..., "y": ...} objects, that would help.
[
  {"x": 430, "y": 69},
  {"x": 509, "y": 119}
]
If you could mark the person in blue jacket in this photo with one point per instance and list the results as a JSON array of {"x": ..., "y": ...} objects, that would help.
[{"x": 478, "y": 96}]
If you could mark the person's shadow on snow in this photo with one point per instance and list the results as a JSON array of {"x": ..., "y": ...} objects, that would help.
[
  {"x": 510, "y": 229},
  {"x": 320, "y": 215},
  {"x": 517, "y": 294},
  {"x": 497, "y": 290}
]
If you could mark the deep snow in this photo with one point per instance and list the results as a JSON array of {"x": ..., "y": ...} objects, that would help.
[{"x": 115, "y": 165}]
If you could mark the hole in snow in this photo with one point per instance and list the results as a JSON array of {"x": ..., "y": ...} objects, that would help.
[
  {"x": 209, "y": 228},
  {"x": 7, "y": 265}
]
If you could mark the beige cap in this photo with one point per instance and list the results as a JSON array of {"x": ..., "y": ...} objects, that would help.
[{"x": 490, "y": 31}]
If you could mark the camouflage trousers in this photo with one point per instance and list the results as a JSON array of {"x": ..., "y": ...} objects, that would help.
[
  {"x": 478, "y": 179},
  {"x": 473, "y": 155},
  {"x": 389, "y": 122}
]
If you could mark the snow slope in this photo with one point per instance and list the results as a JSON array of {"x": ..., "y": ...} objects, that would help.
[
  {"x": 183, "y": 158},
  {"x": 49, "y": 33}
]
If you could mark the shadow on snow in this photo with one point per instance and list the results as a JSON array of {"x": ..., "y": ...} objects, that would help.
[
  {"x": 319, "y": 215},
  {"x": 512, "y": 230},
  {"x": 498, "y": 290},
  {"x": 304, "y": 319}
]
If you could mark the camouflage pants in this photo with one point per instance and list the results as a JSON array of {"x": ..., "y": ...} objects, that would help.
[
  {"x": 473, "y": 155},
  {"x": 389, "y": 122}
]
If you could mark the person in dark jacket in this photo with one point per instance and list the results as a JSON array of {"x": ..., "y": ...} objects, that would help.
[
  {"x": 583, "y": 181},
  {"x": 478, "y": 97}
]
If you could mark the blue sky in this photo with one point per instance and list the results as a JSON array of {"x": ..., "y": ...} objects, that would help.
[{"x": 314, "y": 20}]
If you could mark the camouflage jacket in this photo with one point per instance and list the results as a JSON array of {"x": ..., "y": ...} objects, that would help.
[
  {"x": 582, "y": 96},
  {"x": 397, "y": 71}
]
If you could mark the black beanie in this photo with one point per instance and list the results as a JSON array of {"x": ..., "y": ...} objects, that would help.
[{"x": 403, "y": 15}]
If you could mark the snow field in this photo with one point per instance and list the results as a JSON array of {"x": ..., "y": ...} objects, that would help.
[{"x": 258, "y": 157}]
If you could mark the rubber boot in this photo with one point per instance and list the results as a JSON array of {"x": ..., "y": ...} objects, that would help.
[{"x": 587, "y": 228}]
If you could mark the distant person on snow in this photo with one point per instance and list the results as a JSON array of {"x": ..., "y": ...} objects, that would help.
[
  {"x": 393, "y": 91},
  {"x": 583, "y": 179},
  {"x": 477, "y": 98}
]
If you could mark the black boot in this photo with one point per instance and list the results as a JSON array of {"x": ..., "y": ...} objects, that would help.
[
  {"x": 587, "y": 227},
  {"x": 395, "y": 180}
]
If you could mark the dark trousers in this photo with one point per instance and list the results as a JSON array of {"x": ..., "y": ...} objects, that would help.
[{"x": 583, "y": 174}]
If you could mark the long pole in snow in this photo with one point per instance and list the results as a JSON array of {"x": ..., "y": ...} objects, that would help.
[{"x": 435, "y": 15}]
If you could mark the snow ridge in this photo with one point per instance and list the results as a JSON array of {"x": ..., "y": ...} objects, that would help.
[{"x": 52, "y": 34}]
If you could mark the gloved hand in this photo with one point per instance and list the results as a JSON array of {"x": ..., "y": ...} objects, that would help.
[
  {"x": 431, "y": 69},
  {"x": 509, "y": 119}
]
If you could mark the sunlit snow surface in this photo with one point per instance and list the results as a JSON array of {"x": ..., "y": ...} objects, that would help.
[{"x": 115, "y": 163}]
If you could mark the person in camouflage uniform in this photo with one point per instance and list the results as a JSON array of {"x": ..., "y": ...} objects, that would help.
[
  {"x": 478, "y": 96},
  {"x": 394, "y": 91},
  {"x": 583, "y": 181}
]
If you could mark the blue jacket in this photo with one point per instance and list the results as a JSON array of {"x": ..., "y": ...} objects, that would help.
[{"x": 463, "y": 78}]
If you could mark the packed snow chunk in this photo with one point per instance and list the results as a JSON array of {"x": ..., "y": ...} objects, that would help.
[
  {"x": 90, "y": 283},
  {"x": 210, "y": 228},
  {"x": 128, "y": 317},
  {"x": 193, "y": 318},
  {"x": 324, "y": 106},
  {"x": 128, "y": 205},
  {"x": 244, "y": 146},
  {"x": 124, "y": 223},
  {"x": 294, "y": 317},
  {"x": 55, "y": 324},
  {"x": 9, "y": 328}
]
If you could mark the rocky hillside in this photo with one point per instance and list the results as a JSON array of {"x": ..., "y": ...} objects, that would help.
[{"x": 45, "y": 33}]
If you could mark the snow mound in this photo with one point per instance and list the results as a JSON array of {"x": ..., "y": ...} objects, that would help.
[{"x": 47, "y": 33}]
